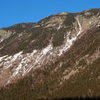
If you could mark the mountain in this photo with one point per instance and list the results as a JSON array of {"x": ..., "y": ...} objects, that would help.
[{"x": 57, "y": 57}]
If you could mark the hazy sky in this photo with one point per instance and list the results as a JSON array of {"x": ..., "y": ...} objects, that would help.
[{"x": 19, "y": 11}]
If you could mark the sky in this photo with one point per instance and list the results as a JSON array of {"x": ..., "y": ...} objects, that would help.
[{"x": 24, "y": 11}]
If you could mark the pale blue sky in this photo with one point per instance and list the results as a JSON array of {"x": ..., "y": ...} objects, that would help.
[{"x": 19, "y": 11}]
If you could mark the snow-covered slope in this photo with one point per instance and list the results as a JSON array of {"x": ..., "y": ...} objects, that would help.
[{"x": 55, "y": 43}]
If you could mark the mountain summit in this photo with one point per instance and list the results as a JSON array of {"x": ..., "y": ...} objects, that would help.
[{"x": 57, "y": 57}]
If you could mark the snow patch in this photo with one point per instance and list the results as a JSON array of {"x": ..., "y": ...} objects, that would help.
[
  {"x": 25, "y": 62},
  {"x": 47, "y": 49},
  {"x": 1, "y": 40},
  {"x": 17, "y": 70},
  {"x": 60, "y": 25},
  {"x": 68, "y": 43},
  {"x": 16, "y": 56},
  {"x": 36, "y": 26}
]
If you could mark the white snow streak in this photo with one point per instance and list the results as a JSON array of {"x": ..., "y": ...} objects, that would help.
[
  {"x": 1, "y": 58},
  {"x": 73, "y": 72},
  {"x": 80, "y": 27},
  {"x": 69, "y": 42}
]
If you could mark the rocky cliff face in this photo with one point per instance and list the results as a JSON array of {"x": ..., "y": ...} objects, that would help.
[{"x": 57, "y": 57}]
